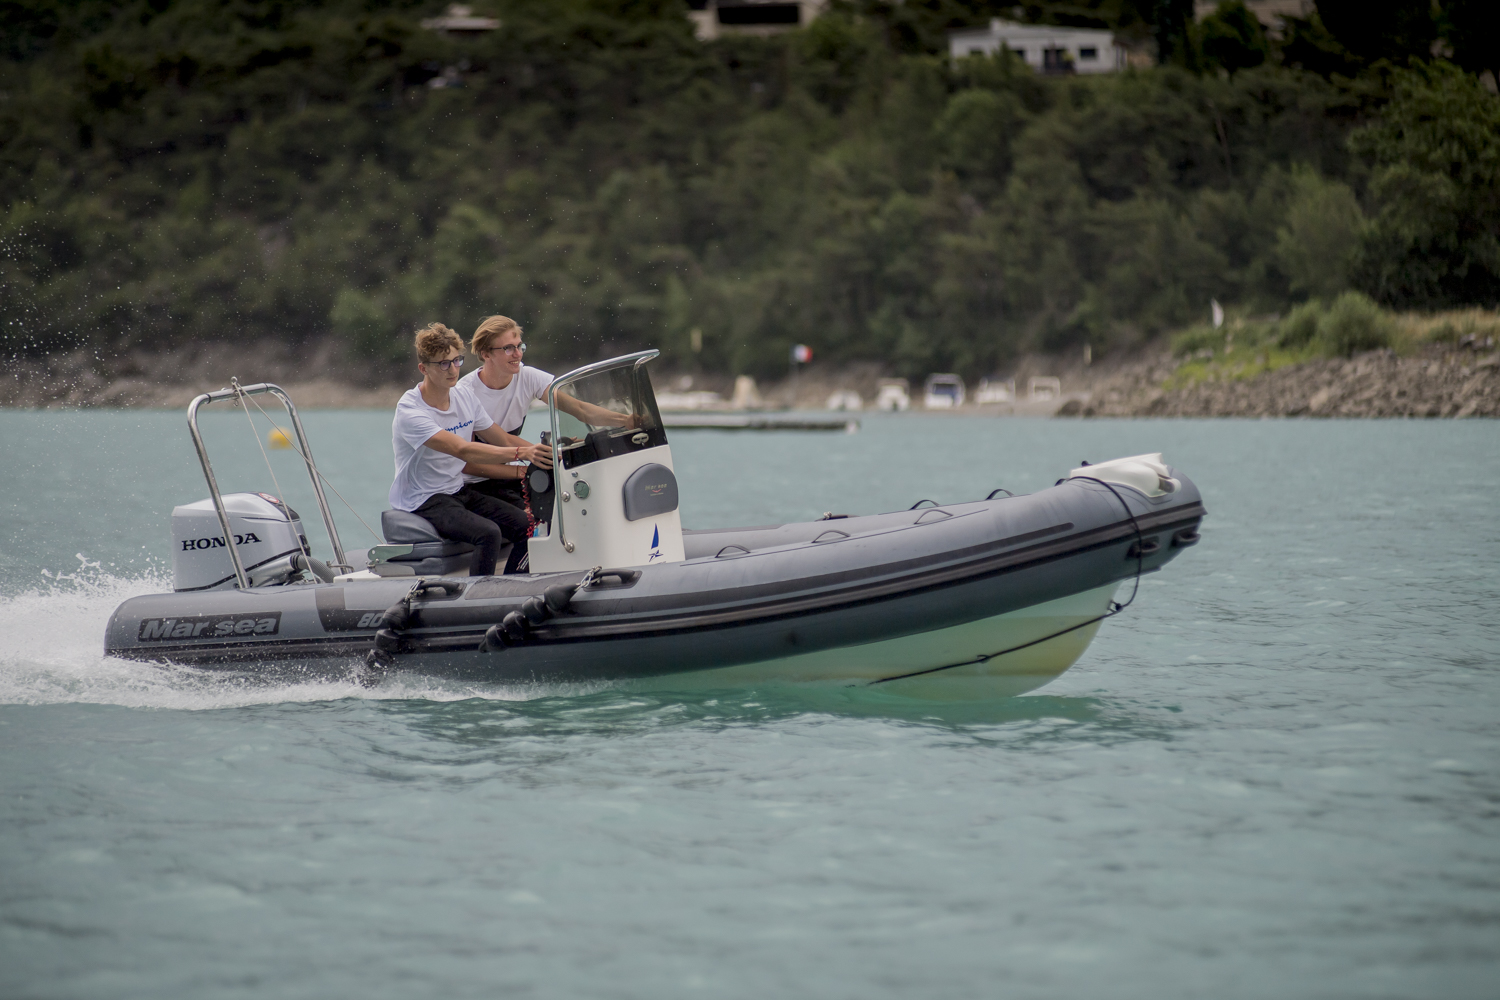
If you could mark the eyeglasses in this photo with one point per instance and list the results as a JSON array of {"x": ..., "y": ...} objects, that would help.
[
  {"x": 453, "y": 364},
  {"x": 515, "y": 350}
]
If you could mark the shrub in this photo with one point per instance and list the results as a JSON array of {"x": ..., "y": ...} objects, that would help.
[
  {"x": 1300, "y": 327},
  {"x": 1354, "y": 323},
  {"x": 1196, "y": 338},
  {"x": 1231, "y": 37},
  {"x": 1444, "y": 333}
]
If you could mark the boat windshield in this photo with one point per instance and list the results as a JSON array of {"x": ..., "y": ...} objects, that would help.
[{"x": 606, "y": 413}]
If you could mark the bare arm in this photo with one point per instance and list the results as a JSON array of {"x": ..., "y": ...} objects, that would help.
[
  {"x": 591, "y": 414},
  {"x": 474, "y": 451},
  {"x": 496, "y": 471},
  {"x": 539, "y": 454},
  {"x": 489, "y": 468}
]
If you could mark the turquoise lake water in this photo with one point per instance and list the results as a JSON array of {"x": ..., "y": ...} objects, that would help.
[{"x": 1276, "y": 775}]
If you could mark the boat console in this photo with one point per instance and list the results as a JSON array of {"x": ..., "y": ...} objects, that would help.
[{"x": 616, "y": 492}]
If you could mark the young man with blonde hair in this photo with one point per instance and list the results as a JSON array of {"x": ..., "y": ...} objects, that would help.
[
  {"x": 433, "y": 439},
  {"x": 505, "y": 386}
]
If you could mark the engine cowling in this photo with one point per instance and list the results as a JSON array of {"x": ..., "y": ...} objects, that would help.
[{"x": 267, "y": 533}]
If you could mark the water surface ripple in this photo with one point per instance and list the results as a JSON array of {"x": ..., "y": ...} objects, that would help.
[{"x": 1276, "y": 775}]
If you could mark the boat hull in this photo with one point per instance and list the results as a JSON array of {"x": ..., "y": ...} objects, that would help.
[
  {"x": 983, "y": 599},
  {"x": 996, "y": 657}
]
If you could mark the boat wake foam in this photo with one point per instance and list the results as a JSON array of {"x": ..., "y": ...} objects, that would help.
[{"x": 51, "y": 652}]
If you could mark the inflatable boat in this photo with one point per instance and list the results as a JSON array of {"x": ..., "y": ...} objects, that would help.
[{"x": 976, "y": 599}]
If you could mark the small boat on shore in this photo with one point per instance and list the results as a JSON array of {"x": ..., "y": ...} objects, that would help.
[
  {"x": 983, "y": 598},
  {"x": 943, "y": 391}
]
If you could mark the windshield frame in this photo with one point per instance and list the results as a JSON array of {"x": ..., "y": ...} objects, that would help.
[{"x": 631, "y": 361}]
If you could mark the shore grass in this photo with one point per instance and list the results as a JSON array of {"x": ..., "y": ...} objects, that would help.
[{"x": 1245, "y": 346}]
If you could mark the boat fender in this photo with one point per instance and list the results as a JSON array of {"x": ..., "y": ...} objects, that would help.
[
  {"x": 514, "y": 626},
  {"x": 535, "y": 609},
  {"x": 317, "y": 567},
  {"x": 388, "y": 641},
  {"x": 397, "y": 617},
  {"x": 382, "y": 657},
  {"x": 559, "y": 596},
  {"x": 493, "y": 641}
]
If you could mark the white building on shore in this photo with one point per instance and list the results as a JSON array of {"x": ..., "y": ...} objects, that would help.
[{"x": 1045, "y": 48}]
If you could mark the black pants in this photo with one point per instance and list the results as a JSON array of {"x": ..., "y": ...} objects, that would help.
[
  {"x": 467, "y": 516},
  {"x": 505, "y": 490}
]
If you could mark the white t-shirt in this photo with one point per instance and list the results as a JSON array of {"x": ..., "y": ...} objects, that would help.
[
  {"x": 421, "y": 471},
  {"x": 507, "y": 407}
]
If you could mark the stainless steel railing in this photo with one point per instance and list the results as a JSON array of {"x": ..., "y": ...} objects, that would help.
[{"x": 213, "y": 485}]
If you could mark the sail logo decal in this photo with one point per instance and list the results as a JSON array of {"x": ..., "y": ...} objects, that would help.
[
  {"x": 248, "y": 538},
  {"x": 655, "y": 544},
  {"x": 210, "y": 626}
]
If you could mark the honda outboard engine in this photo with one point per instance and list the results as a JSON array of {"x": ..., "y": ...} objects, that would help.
[{"x": 267, "y": 535}]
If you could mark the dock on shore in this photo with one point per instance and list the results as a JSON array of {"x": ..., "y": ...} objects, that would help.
[{"x": 728, "y": 422}]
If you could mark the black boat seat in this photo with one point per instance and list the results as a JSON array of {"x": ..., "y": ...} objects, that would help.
[
  {"x": 404, "y": 528},
  {"x": 431, "y": 554}
]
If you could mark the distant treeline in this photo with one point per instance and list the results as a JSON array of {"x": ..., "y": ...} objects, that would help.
[{"x": 243, "y": 170}]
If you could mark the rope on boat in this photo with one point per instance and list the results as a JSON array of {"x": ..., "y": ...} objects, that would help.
[
  {"x": 281, "y": 496},
  {"x": 291, "y": 440},
  {"x": 1114, "y": 606}
]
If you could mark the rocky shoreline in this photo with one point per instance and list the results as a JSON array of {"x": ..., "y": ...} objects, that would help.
[{"x": 1440, "y": 381}]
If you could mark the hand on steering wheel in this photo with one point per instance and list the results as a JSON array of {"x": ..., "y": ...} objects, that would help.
[{"x": 537, "y": 454}]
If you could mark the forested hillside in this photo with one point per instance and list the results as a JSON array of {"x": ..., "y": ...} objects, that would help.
[{"x": 246, "y": 170}]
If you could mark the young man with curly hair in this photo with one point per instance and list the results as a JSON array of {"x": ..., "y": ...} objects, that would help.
[{"x": 433, "y": 437}]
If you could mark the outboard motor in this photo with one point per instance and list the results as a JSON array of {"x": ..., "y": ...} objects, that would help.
[{"x": 267, "y": 533}]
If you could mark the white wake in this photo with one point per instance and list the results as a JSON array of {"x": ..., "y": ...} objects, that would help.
[{"x": 52, "y": 652}]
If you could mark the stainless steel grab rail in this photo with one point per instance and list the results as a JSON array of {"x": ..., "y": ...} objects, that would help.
[
  {"x": 213, "y": 485},
  {"x": 633, "y": 360}
]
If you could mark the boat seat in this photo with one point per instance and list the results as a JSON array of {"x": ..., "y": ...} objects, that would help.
[
  {"x": 431, "y": 554},
  {"x": 402, "y": 527}
]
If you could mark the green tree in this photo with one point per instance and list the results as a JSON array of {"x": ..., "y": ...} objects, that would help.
[
  {"x": 1306, "y": 44},
  {"x": 1232, "y": 38},
  {"x": 1435, "y": 153},
  {"x": 975, "y": 133},
  {"x": 1173, "y": 21},
  {"x": 1319, "y": 237}
]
